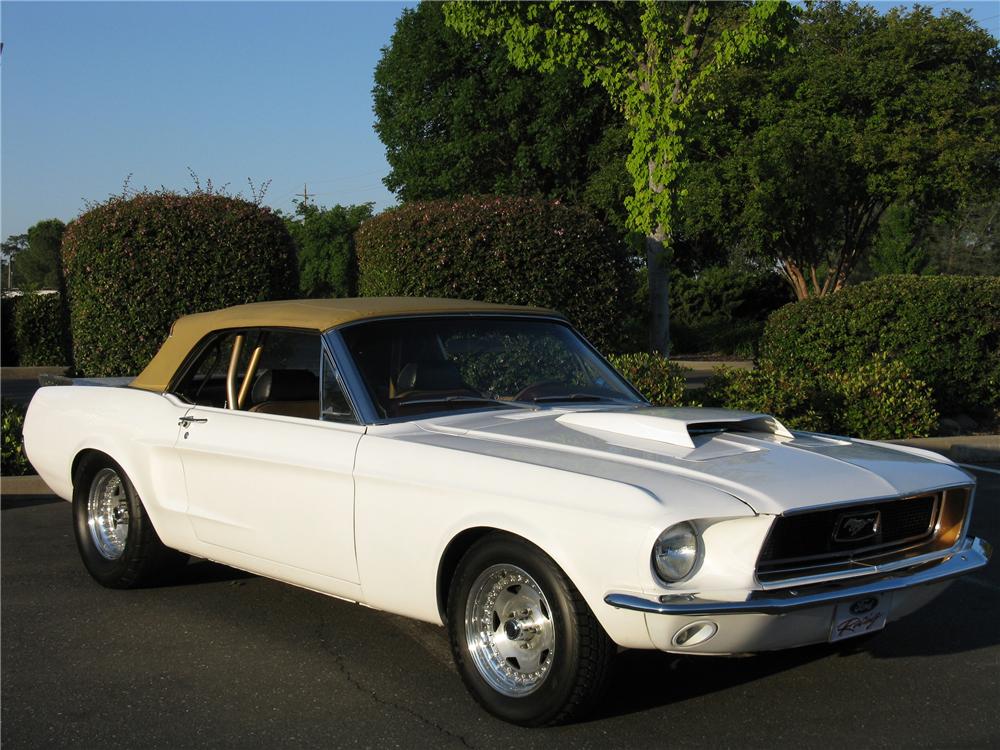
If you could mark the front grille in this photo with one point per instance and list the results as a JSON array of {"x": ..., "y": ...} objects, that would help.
[{"x": 846, "y": 536}]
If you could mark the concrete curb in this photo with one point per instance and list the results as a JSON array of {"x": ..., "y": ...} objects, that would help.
[
  {"x": 963, "y": 449},
  {"x": 30, "y": 484}
]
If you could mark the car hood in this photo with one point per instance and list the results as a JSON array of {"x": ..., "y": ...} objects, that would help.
[{"x": 749, "y": 456}]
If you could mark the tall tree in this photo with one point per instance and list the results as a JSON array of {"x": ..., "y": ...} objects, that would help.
[
  {"x": 868, "y": 112},
  {"x": 969, "y": 244},
  {"x": 654, "y": 61},
  {"x": 324, "y": 244},
  {"x": 13, "y": 246},
  {"x": 39, "y": 261},
  {"x": 458, "y": 118}
]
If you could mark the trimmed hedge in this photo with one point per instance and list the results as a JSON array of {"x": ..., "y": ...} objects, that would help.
[
  {"x": 657, "y": 378},
  {"x": 40, "y": 331},
  {"x": 8, "y": 346},
  {"x": 525, "y": 251},
  {"x": 135, "y": 265},
  {"x": 879, "y": 400},
  {"x": 944, "y": 329},
  {"x": 34, "y": 331}
]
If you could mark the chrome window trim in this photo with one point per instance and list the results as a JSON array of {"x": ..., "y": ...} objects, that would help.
[
  {"x": 354, "y": 386},
  {"x": 365, "y": 407},
  {"x": 325, "y": 357}
]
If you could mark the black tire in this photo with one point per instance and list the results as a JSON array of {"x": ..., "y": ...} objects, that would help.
[
  {"x": 576, "y": 667},
  {"x": 137, "y": 559}
]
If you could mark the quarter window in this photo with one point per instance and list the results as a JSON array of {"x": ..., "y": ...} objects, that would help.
[{"x": 335, "y": 405}]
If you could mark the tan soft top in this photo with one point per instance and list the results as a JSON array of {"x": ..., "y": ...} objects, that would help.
[{"x": 308, "y": 314}]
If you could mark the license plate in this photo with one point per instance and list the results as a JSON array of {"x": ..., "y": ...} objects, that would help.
[{"x": 859, "y": 616}]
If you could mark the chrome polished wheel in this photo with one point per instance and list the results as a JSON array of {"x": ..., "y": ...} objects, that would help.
[
  {"x": 108, "y": 513},
  {"x": 509, "y": 630}
]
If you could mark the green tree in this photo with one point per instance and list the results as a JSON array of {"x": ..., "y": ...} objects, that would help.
[
  {"x": 13, "y": 246},
  {"x": 38, "y": 258},
  {"x": 458, "y": 118},
  {"x": 324, "y": 244},
  {"x": 654, "y": 61},
  {"x": 869, "y": 111},
  {"x": 898, "y": 246},
  {"x": 969, "y": 244}
]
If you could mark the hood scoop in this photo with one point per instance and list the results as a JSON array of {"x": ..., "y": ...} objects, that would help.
[{"x": 674, "y": 426}]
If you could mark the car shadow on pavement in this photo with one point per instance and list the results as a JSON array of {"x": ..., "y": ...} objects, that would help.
[
  {"x": 13, "y": 502},
  {"x": 964, "y": 618},
  {"x": 642, "y": 680},
  {"x": 199, "y": 571}
]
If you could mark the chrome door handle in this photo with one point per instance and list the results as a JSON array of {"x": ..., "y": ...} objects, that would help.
[{"x": 186, "y": 421}]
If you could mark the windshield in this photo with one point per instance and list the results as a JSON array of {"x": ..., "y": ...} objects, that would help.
[{"x": 419, "y": 365}]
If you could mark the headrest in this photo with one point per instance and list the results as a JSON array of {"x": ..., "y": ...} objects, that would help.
[
  {"x": 438, "y": 375},
  {"x": 285, "y": 385}
]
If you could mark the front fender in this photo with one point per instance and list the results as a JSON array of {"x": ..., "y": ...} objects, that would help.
[{"x": 413, "y": 499}]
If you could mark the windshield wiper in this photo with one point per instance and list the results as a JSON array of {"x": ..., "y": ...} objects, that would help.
[
  {"x": 577, "y": 397},
  {"x": 465, "y": 399}
]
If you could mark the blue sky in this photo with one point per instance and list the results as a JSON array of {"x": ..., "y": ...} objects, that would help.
[{"x": 93, "y": 92}]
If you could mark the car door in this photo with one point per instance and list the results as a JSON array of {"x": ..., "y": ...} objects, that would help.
[{"x": 271, "y": 478}]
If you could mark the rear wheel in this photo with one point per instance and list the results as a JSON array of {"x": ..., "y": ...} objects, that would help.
[
  {"x": 526, "y": 644},
  {"x": 117, "y": 542}
]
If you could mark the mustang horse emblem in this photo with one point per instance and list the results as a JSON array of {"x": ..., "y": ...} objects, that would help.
[{"x": 853, "y": 527}]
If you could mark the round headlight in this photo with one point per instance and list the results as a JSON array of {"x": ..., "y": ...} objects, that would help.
[{"x": 676, "y": 552}]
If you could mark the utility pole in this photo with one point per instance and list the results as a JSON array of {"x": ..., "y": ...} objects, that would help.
[{"x": 304, "y": 194}]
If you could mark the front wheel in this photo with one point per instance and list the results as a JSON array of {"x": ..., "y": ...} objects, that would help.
[
  {"x": 525, "y": 642},
  {"x": 117, "y": 542}
]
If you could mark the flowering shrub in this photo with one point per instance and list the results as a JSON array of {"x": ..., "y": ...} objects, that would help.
[
  {"x": 133, "y": 266},
  {"x": 524, "y": 251}
]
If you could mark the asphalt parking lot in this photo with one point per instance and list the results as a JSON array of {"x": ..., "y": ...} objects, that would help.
[{"x": 222, "y": 659}]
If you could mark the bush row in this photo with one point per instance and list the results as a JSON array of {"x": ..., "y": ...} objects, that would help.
[
  {"x": 133, "y": 266},
  {"x": 879, "y": 400},
  {"x": 526, "y": 251},
  {"x": 34, "y": 331},
  {"x": 657, "y": 378},
  {"x": 944, "y": 329},
  {"x": 13, "y": 462}
]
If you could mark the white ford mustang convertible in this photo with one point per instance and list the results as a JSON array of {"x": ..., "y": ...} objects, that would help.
[{"x": 483, "y": 467}]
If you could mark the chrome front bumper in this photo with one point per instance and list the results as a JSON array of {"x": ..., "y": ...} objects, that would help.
[{"x": 971, "y": 555}]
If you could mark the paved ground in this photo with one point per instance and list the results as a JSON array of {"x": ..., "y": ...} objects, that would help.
[
  {"x": 221, "y": 659},
  {"x": 700, "y": 370},
  {"x": 19, "y": 384}
]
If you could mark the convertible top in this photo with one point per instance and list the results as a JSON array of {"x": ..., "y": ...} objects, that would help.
[{"x": 307, "y": 314}]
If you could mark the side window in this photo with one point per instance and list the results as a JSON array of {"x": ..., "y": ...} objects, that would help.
[
  {"x": 276, "y": 372},
  {"x": 204, "y": 383},
  {"x": 282, "y": 374},
  {"x": 335, "y": 405}
]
